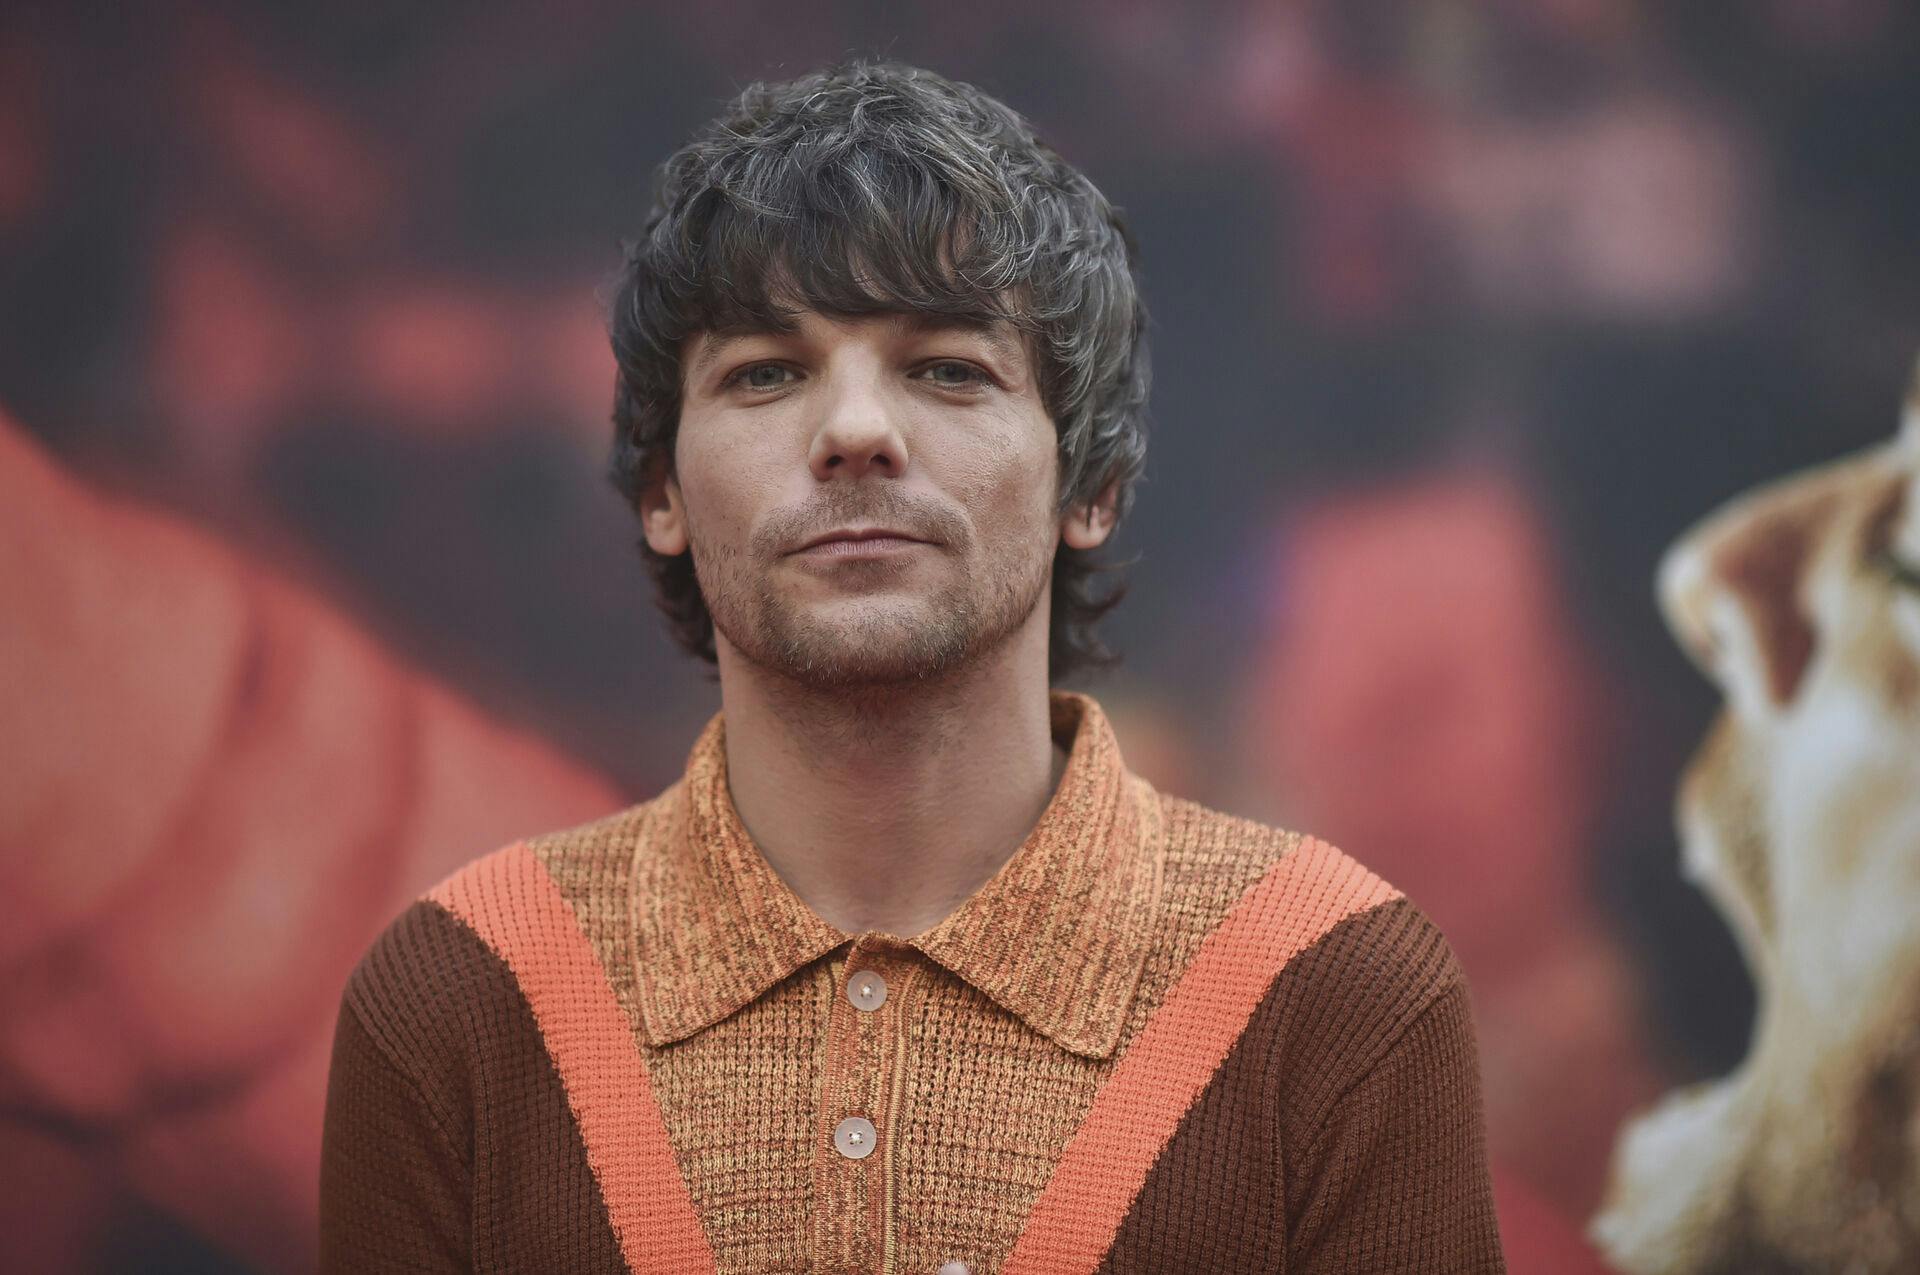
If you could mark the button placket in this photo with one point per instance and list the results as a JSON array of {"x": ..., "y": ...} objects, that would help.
[{"x": 851, "y": 1167}]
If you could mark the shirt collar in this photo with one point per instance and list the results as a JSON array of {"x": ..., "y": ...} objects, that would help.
[{"x": 1058, "y": 936}]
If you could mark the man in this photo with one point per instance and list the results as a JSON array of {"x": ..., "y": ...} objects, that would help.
[{"x": 907, "y": 972}]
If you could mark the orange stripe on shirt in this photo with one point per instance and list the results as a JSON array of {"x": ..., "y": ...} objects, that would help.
[
  {"x": 1301, "y": 897},
  {"x": 514, "y": 906}
]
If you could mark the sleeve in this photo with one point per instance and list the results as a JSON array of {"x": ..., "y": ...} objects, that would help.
[
  {"x": 395, "y": 1185},
  {"x": 1400, "y": 1181}
]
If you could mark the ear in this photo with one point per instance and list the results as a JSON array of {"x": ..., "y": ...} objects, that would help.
[
  {"x": 1087, "y": 525},
  {"x": 663, "y": 514}
]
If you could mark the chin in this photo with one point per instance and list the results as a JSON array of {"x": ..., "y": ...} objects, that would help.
[{"x": 865, "y": 645}]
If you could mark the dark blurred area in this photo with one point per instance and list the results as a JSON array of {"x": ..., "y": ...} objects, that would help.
[{"x": 1462, "y": 313}]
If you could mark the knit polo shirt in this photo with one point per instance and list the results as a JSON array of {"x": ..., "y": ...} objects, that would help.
[{"x": 1159, "y": 1039}]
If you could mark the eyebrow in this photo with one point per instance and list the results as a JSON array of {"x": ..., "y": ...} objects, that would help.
[
  {"x": 995, "y": 333},
  {"x": 720, "y": 338}
]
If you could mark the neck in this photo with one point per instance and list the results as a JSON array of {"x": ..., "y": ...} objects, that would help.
[{"x": 885, "y": 808}]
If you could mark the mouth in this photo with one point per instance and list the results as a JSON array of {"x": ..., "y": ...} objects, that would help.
[{"x": 859, "y": 542}]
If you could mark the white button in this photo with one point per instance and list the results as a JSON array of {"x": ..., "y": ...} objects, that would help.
[
  {"x": 867, "y": 990},
  {"x": 854, "y": 1137},
  {"x": 955, "y": 1268}
]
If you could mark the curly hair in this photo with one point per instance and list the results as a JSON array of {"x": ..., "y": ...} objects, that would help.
[{"x": 875, "y": 187}]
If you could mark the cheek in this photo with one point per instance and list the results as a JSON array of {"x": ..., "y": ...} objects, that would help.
[
  {"x": 720, "y": 486},
  {"x": 1009, "y": 482}
]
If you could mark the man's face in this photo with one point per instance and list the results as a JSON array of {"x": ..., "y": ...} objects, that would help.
[{"x": 792, "y": 445}]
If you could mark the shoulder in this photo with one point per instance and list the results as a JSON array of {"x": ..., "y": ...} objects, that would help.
[
  {"x": 411, "y": 1007},
  {"x": 1289, "y": 885},
  {"x": 577, "y": 877},
  {"x": 442, "y": 951},
  {"x": 421, "y": 986},
  {"x": 1354, "y": 962},
  {"x": 446, "y": 962}
]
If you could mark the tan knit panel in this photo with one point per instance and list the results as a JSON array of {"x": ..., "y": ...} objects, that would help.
[
  {"x": 977, "y": 1106},
  {"x": 741, "y": 1100},
  {"x": 738, "y": 1098}
]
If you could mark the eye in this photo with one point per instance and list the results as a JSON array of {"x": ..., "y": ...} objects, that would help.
[
  {"x": 954, "y": 374},
  {"x": 758, "y": 376}
]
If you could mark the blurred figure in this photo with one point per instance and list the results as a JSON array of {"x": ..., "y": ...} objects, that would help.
[
  {"x": 1800, "y": 818},
  {"x": 1423, "y": 694},
  {"x": 217, "y": 790}
]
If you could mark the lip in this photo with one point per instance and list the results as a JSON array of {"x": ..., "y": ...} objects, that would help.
[{"x": 860, "y": 540}]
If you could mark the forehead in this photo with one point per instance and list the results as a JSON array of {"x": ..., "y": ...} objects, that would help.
[{"x": 998, "y": 335}]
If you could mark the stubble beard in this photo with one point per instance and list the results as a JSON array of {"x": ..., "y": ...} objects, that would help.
[{"x": 882, "y": 643}]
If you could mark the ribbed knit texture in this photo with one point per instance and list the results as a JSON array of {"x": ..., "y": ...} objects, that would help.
[{"x": 1162, "y": 1039}]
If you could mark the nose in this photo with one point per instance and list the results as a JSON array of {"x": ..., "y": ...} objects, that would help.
[
  {"x": 1734, "y": 589},
  {"x": 858, "y": 431}
]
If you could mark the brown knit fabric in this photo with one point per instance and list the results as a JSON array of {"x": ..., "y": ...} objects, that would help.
[
  {"x": 1161, "y": 1039},
  {"x": 451, "y": 1146},
  {"x": 1301, "y": 1174}
]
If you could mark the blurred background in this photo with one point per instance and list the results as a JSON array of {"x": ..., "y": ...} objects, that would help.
[{"x": 313, "y": 587}]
